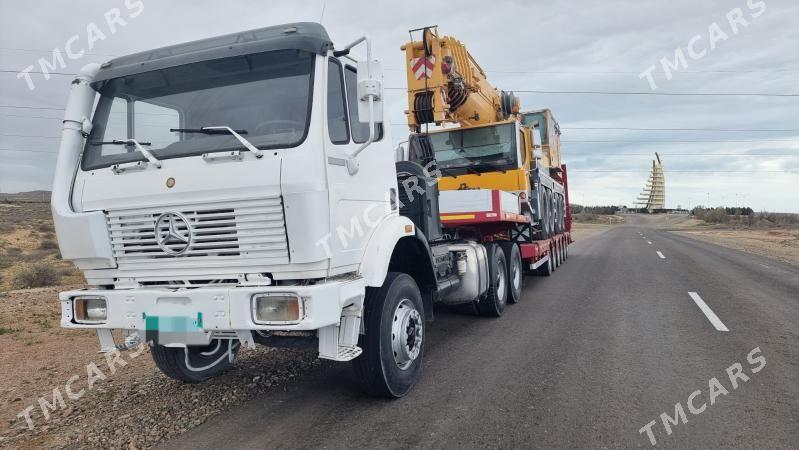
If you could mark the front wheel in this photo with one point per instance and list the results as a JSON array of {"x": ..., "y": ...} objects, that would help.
[
  {"x": 195, "y": 364},
  {"x": 393, "y": 343}
]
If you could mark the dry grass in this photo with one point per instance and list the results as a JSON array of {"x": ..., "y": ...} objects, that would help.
[
  {"x": 31, "y": 275},
  {"x": 29, "y": 255},
  {"x": 601, "y": 219}
]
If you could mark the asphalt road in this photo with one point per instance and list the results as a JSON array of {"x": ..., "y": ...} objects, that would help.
[{"x": 590, "y": 356}]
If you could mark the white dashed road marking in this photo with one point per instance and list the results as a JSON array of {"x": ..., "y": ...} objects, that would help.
[
  {"x": 711, "y": 316},
  {"x": 661, "y": 255},
  {"x": 649, "y": 242}
]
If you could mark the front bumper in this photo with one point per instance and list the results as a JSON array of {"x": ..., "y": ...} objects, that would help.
[{"x": 216, "y": 309}]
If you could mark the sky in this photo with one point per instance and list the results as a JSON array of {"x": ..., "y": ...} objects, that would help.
[{"x": 578, "y": 55}]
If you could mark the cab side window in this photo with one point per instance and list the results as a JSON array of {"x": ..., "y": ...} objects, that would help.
[
  {"x": 360, "y": 131},
  {"x": 337, "y": 125}
]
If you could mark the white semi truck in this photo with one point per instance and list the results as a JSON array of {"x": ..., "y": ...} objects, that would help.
[{"x": 243, "y": 190}]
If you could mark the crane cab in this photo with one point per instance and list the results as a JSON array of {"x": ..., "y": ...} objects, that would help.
[{"x": 494, "y": 156}]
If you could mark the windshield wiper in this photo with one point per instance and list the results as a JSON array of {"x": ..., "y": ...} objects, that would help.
[
  {"x": 482, "y": 165},
  {"x": 223, "y": 130},
  {"x": 205, "y": 130},
  {"x": 138, "y": 145}
]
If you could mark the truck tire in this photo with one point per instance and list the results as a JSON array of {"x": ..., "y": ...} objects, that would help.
[
  {"x": 494, "y": 302},
  {"x": 195, "y": 364},
  {"x": 547, "y": 213},
  {"x": 515, "y": 271},
  {"x": 547, "y": 269},
  {"x": 559, "y": 253},
  {"x": 393, "y": 342}
]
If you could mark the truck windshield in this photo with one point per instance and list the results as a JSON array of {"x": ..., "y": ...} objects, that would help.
[
  {"x": 476, "y": 149},
  {"x": 267, "y": 94}
]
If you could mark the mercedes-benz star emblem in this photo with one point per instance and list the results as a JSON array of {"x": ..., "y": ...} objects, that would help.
[{"x": 173, "y": 233}]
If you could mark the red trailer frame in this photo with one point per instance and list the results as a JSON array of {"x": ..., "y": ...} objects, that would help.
[{"x": 486, "y": 225}]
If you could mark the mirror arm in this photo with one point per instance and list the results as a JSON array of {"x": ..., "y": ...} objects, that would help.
[{"x": 352, "y": 162}]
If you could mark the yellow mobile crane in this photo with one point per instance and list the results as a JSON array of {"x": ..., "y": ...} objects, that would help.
[{"x": 494, "y": 146}]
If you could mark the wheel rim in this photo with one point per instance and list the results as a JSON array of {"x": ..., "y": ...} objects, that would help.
[
  {"x": 516, "y": 275},
  {"x": 406, "y": 334},
  {"x": 501, "y": 282}
]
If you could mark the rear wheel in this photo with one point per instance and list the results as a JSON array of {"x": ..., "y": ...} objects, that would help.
[
  {"x": 547, "y": 268},
  {"x": 557, "y": 254},
  {"x": 493, "y": 304},
  {"x": 515, "y": 271},
  {"x": 195, "y": 364},
  {"x": 393, "y": 343}
]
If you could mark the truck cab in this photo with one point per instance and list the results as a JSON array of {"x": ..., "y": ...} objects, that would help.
[{"x": 217, "y": 192}]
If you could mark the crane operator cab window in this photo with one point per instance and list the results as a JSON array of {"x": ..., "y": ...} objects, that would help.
[
  {"x": 476, "y": 150},
  {"x": 537, "y": 120}
]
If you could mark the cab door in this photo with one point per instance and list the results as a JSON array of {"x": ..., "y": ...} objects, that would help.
[{"x": 359, "y": 201}]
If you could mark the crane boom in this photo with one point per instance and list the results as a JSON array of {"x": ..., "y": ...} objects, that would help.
[{"x": 447, "y": 85}]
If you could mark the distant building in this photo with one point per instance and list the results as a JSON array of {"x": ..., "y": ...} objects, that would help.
[{"x": 653, "y": 196}]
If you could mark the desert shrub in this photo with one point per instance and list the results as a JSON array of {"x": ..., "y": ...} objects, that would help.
[
  {"x": 745, "y": 217},
  {"x": 48, "y": 244},
  {"x": 45, "y": 227},
  {"x": 30, "y": 275}
]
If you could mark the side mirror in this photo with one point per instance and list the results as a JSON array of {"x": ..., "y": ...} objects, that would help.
[{"x": 370, "y": 85}]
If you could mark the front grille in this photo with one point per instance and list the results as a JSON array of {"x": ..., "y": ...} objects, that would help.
[{"x": 221, "y": 232}]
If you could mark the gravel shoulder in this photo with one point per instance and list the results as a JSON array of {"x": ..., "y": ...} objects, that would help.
[{"x": 780, "y": 244}]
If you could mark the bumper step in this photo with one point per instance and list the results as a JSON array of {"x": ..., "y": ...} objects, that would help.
[{"x": 345, "y": 353}]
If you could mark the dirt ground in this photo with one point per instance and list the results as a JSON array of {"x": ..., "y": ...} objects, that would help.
[
  {"x": 127, "y": 404},
  {"x": 27, "y": 237},
  {"x": 582, "y": 231},
  {"x": 781, "y": 244}
]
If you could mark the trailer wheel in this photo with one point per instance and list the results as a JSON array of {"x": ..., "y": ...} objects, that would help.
[
  {"x": 515, "y": 271},
  {"x": 195, "y": 364},
  {"x": 547, "y": 269},
  {"x": 556, "y": 254},
  {"x": 393, "y": 343},
  {"x": 493, "y": 304}
]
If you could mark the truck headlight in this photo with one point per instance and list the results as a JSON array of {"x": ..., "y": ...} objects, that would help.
[
  {"x": 277, "y": 308},
  {"x": 89, "y": 309}
]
